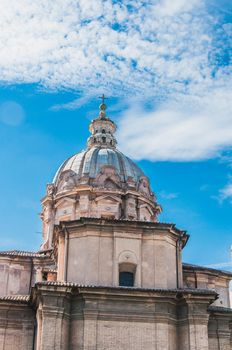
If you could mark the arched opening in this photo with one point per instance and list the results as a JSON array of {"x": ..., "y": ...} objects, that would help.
[
  {"x": 103, "y": 131},
  {"x": 127, "y": 274},
  {"x": 104, "y": 139}
]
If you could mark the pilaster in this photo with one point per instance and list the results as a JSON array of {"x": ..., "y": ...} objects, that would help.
[
  {"x": 53, "y": 317},
  {"x": 193, "y": 322},
  {"x": 220, "y": 328},
  {"x": 90, "y": 329}
]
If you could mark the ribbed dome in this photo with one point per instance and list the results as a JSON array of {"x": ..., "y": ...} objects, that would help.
[{"x": 89, "y": 163}]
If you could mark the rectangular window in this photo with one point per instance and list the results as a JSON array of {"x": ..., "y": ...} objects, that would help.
[{"x": 126, "y": 279}]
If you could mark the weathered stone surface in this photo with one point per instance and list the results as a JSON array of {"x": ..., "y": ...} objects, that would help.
[
  {"x": 17, "y": 325},
  {"x": 201, "y": 277},
  {"x": 93, "y": 252},
  {"x": 19, "y": 271}
]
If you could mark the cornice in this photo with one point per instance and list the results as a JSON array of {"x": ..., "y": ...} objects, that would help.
[
  {"x": 220, "y": 310},
  {"x": 25, "y": 254},
  {"x": 22, "y": 299},
  {"x": 129, "y": 225},
  {"x": 208, "y": 270},
  {"x": 92, "y": 293}
]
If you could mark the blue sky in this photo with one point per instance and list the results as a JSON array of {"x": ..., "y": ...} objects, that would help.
[{"x": 166, "y": 68}]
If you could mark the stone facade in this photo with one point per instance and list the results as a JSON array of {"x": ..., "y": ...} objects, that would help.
[
  {"x": 17, "y": 323},
  {"x": 108, "y": 275},
  {"x": 201, "y": 277},
  {"x": 116, "y": 318},
  {"x": 149, "y": 249}
]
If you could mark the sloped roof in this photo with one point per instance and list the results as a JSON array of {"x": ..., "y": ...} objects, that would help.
[
  {"x": 16, "y": 298},
  {"x": 206, "y": 269},
  {"x": 23, "y": 253}
]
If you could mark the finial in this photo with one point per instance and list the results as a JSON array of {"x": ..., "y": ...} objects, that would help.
[{"x": 103, "y": 106}]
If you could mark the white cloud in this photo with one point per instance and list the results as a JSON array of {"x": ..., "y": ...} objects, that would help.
[
  {"x": 168, "y": 195},
  {"x": 171, "y": 8},
  {"x": 72, "y": 105},
  {"x": 187, "y": 129},
  {"x": 226, "y": 192},
  {"x": 165, "y": 50},
  {"x": 138, "y": 47}
]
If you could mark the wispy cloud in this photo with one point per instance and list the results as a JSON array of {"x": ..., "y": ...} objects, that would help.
[
  {"x": 226, "y": 193},
  {"x": 188, "y": 128},
  {"x": 139, "y": 47},
  {"x": 72, "y": 105},
  {"x": 167, "y": 195},
  {"x": 171, "y": 52}
]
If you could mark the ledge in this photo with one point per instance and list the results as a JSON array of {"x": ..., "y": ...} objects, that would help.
[
  {"x": 191, "y": 267},
  {"x": 220, "y": 309},
  {"x": 23, "y": 254},
  {"x": 129, "y": 223},
  {"x": 131, "y": 289},
  {"x": 23, "y": 299}
]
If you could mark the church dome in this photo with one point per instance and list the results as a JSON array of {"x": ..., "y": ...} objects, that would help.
[
  {"x": 88, "y": 164},
  {"x": 99, "y": 182}
]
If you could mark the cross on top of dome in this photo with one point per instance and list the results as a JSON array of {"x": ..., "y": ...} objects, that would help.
[
  {"x": 102, "y": 107},
  {"x": 103, "y": 98}
]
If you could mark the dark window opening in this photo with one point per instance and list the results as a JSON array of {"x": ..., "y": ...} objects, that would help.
[
  {"x": 104, "y": 139},
  {"x": 103, "y": 131},
  {"x": 126, "y": 279},
  {"x": 44, "y": 276}
]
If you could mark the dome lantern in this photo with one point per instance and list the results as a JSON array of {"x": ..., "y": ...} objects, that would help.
[{"x": 102, "y": 130}]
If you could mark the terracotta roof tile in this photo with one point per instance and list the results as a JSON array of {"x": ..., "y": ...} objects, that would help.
[
  {"x": 23, "y": 253},
  {"x": 220, "y": 309},
  {"x": 205, "y": 268},
  {"x": 159, "y": 290},
  {"x": 16, "y": 298}
]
